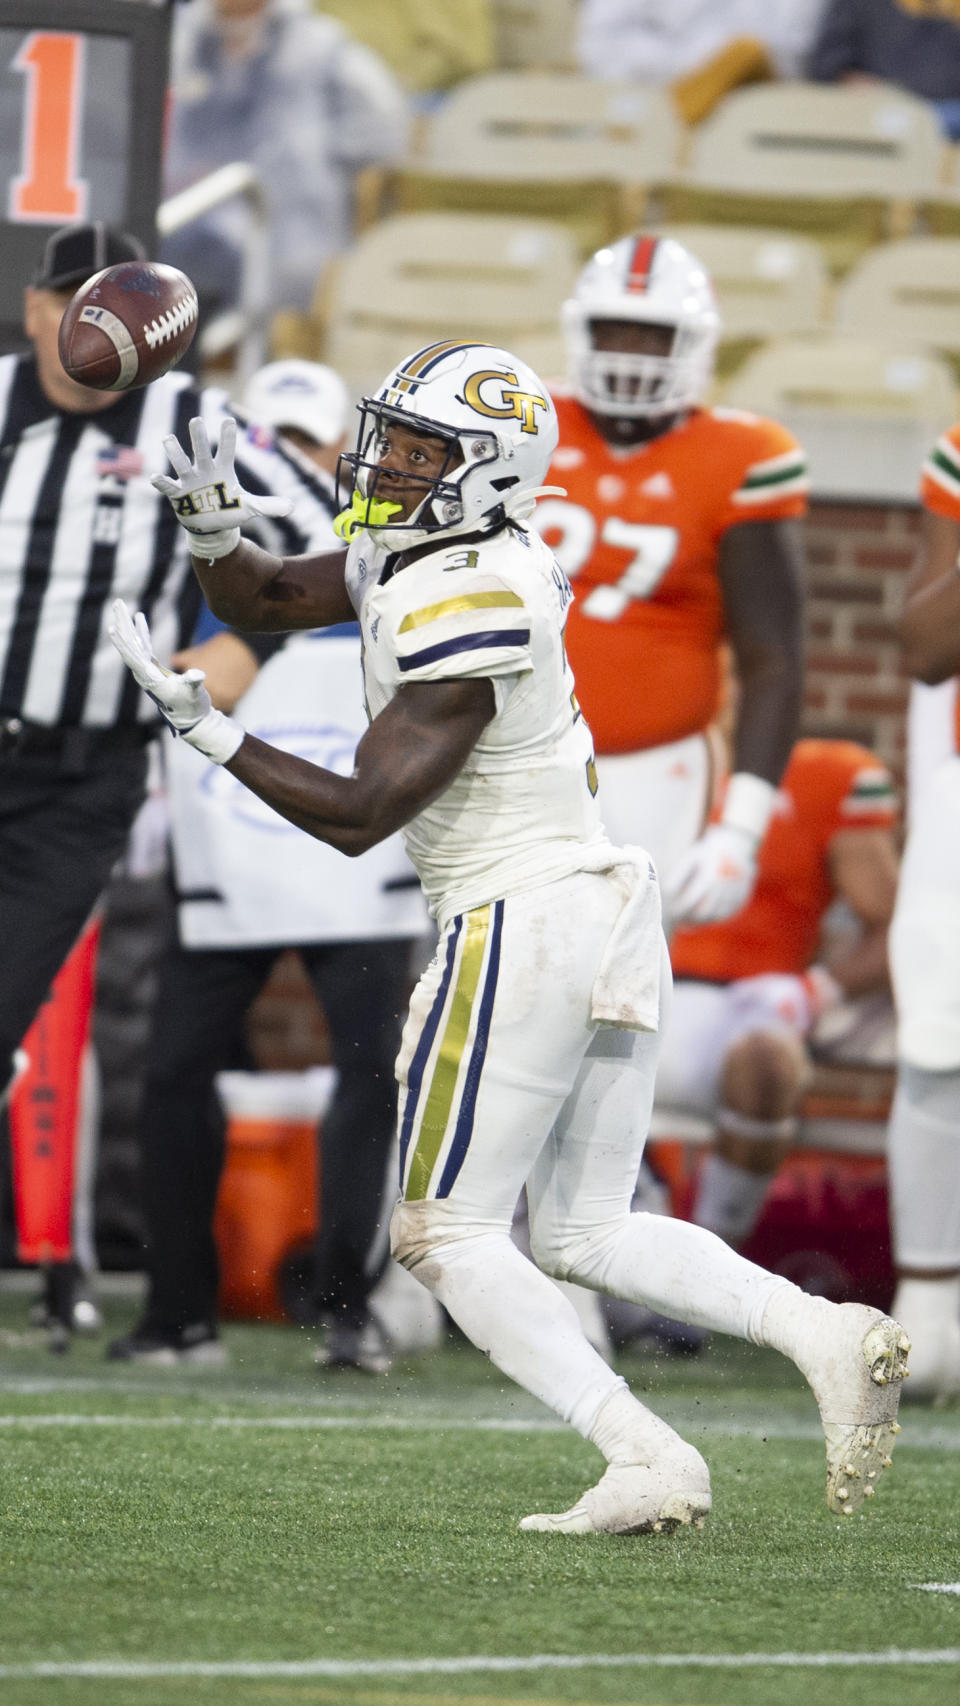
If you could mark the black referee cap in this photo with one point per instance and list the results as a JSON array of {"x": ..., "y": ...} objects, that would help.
[{"x": 75, "y": 252}]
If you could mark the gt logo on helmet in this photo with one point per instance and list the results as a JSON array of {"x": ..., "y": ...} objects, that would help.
[{"x": 510, "y": 402}]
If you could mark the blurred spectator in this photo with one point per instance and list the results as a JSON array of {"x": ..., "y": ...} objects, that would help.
[
  {"x": 353, "y": 922},
  {"x": 749, "y": 991},
  {"x": 702, "y": 48},
  {"x": 914, "y": 45},
  {"x": 265, "y": 81},
  {"x": 428, "y": 44}
]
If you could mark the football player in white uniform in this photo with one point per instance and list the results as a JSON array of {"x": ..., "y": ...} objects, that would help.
[
  {"x": 923, "y": 1145},
  {"x": 529, "y": 1052}
]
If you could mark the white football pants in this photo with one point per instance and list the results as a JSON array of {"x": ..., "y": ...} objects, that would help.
[
  {"x": 660, "y": 799},
  {"x": 925, "y": 930},
  {"x": 505, "y": 1081}
]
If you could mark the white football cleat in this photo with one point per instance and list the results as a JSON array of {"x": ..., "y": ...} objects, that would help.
[
  {"x": 857, "y": 1380},
  {"x": 636, "y": 1498}
]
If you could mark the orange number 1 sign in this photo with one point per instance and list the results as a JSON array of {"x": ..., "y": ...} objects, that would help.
[{"x": 48, "y": 188}]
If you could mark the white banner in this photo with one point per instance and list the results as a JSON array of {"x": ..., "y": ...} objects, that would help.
[{"x": 246, "y": 876}]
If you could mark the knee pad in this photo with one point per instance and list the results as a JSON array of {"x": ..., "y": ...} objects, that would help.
[{"x": 418, "y": 1230}]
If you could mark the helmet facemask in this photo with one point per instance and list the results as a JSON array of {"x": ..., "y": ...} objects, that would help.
[
  {"x": 444, "y": 506},
  {"x": 497, "y": 423},
  {"x": 638, "y": 386},
  {"x": 642, "y": 282}
]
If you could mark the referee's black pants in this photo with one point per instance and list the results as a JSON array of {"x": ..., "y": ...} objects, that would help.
[
  {"x": 65, "y": 814},
  {"x": 202, "y": 998}
]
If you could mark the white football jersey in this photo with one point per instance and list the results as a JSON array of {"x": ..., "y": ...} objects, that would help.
[{"x": 523, "y": 809}]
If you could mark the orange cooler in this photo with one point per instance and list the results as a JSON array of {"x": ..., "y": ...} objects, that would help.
[{"x": 267, "y": 1204}]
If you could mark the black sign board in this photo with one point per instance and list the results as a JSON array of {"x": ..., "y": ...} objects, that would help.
[{"x": 82, "y": 91}]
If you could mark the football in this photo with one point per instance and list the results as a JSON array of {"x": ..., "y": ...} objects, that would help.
[{"x": 128, "y": 325}]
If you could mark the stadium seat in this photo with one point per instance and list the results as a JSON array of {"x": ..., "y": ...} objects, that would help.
[
  {"x": 769, "y": 283},
  {"x": 417, "y": 277},
  {"x": 940, "y": 211},
  {"x": 848, "y": 165},
  {"x": 866, "y": 412},
  {"x": 907, "y": 292},
  {"x": 534, "y": 34},
  {"x": 546, "y": 145}
]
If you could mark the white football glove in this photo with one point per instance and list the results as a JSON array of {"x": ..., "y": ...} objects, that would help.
[
  {"x": 207, "y": 497},
  {"x": 713, "y": 879},
  {"x": 182, "y": 700}
]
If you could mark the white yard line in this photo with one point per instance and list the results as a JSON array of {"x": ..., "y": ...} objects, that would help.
[
  {"x": 306, "y": 1424},
  {"x": 106, "y": 1669},
  {"x": 935, "y": 1439}
]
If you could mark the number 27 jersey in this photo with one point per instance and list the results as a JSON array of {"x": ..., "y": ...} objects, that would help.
[{"x": 638, "y": 535}]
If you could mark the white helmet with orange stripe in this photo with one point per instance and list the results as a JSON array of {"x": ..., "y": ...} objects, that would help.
[
  {"x": 497, "y": 421},
  {"x": 641, "y": 281}
]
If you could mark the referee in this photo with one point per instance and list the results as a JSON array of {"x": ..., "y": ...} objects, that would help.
[{"x": 80, "y": 525}]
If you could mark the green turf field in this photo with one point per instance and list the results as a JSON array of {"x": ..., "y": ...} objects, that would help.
[{"x": 268, "y": 1534}]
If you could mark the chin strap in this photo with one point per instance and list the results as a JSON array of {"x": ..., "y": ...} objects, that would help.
[{"x": 363, "y": 512}]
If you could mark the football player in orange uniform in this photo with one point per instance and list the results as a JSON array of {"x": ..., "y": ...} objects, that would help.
[
  {"x": 924, "y": 1134},
  {"x": 748, "y": 991},
  {"x": 680, "y": 526}
]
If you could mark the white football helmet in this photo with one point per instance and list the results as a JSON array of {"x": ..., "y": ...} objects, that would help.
[
  {"x": 502, "y": 430},
  {"x": 654, "y": 281}
]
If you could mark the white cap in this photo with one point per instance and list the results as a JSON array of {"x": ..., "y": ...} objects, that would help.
[{"x": 301, "y": 394}]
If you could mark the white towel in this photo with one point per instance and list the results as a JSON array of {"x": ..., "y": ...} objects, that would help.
[{"x": 626, "y": 990}]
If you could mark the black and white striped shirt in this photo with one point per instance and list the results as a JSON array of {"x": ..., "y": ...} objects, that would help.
[{"x": 81, "y": 525}]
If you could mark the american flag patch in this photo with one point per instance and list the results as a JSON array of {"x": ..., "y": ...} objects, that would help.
[
  {"x": 121, "y": 461},
  {"x": 260, "y": 436}
]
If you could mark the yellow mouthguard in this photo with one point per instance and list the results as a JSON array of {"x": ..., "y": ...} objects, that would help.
[{"x": 363, "y": 512}]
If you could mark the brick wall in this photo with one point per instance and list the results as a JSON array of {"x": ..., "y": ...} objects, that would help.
[{"x": 858, "y": 556}]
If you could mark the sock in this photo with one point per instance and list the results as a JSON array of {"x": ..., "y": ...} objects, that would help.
[
  {"x": 929, "y": 1310},
  {"x": 923, "y": 1148},
  {"x": 522, "y": 1322},
  {"x": 627, "y": 1432},
  {"x": 931, "y": 1301},
  {"x": 729, "y": 1198},
  {"x": 793, "y": 1323},
  {"x": 679, "y": 1270}
]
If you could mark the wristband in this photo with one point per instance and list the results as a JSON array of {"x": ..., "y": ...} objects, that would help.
[
  {"x": 216, "y": 736},
  {"x": 749, "y": 804},
  {"x": 213, "y": 545}
]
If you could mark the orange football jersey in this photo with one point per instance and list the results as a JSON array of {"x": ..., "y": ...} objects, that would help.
[
  {"x": 637, "y": 534},
  {"x": 940, "y": 492},
  {"x": 940, "y": 479},
  {"x": 828, "y": 786}
]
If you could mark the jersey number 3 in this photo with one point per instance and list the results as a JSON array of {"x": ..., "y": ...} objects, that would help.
[{"x": 652, "y": 550}]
